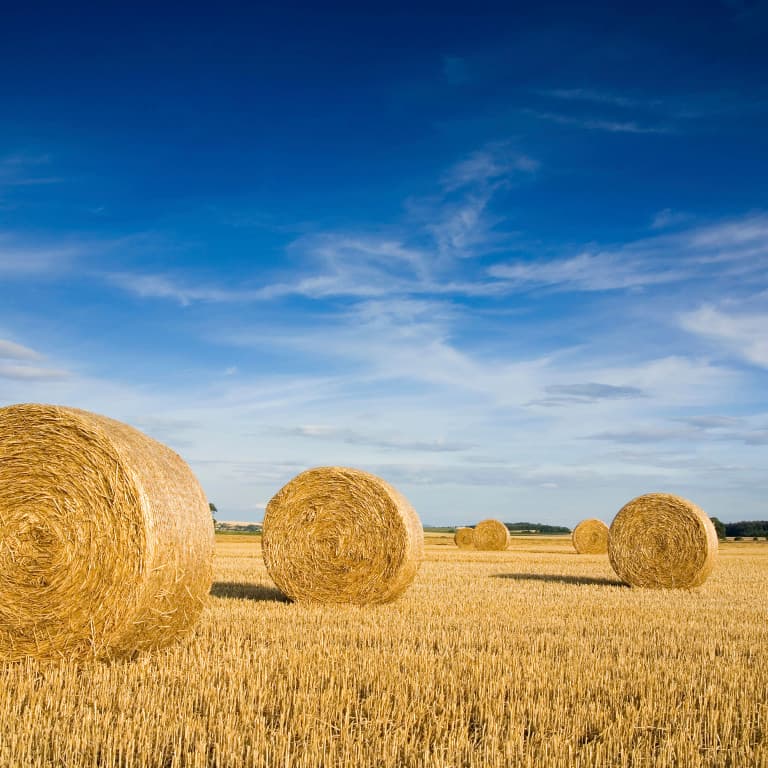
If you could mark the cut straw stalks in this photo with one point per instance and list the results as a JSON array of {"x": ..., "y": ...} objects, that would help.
[
  {"x": 464, "y": 538},
  {"x": 662, "y": 541},
  {"x": 106, "y": 538},
  {"x": 491, "y": 535},
  {"x": 340, "y": 535},
  {"x": 590, "y": 537}
]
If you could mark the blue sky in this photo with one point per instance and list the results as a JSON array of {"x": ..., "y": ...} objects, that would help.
[{"x": 513, "y": 259}]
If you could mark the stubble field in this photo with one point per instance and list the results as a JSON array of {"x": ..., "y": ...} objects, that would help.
[{"x": 534, "y": 656}]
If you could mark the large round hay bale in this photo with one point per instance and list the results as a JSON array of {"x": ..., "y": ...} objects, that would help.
[
  {"x": 106, "y": 538},
  {"x": 662, "y": 541},
  {"x": 340, "y": 535},
  {"x": 491, "y": 535},
  {"x": 464, "y": 538},
  {"x": 590, "y": 537}
]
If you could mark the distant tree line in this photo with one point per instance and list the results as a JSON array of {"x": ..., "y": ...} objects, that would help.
[
  {"x": 747, "y": 528},
  {"x": 512, "y": 527},
  {"x": 536, "y": 528},
  {"x": 743, "y": 529}
]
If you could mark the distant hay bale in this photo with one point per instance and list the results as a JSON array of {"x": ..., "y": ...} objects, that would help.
[
  {"x": 340, "y": 535},
  {"x": 491, "y": 535},
  {"x": 662, "y": 541},
  {"x": 590, "y": 537},
  {"x": 106, "y": 538},
  {"x": 464, "y": 538}
]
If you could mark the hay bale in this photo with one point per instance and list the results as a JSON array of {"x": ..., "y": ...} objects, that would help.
[
  {"x": 662, "y": 541},
  {"x": 464, "y": 538},
  {"x": 106, "y": 539},
  {"x": 339, "y": 535},
  {"x": 590, "y": 537},
  {"x": 491, "y": 535}
]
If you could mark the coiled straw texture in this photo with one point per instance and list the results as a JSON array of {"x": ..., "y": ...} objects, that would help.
[
  {"x": 590, "y": 537},
  {"x": 491, "y": 535},
  {"x": 662, "y": 541},
  {"x": 106, "y": 538},
  {"x": 340, "y": 535},
  {"x": 464, "y": 538}
]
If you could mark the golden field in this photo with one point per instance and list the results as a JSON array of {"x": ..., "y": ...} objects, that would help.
[{"x": 534, "y": 656}]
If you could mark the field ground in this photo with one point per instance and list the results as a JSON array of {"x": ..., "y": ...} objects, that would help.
[{"x": 530, "y": 657}]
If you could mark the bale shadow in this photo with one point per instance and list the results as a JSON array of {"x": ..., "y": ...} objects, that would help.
[
  {"x": 561, "y": 579},
  {"x": 241, "y": 590}
]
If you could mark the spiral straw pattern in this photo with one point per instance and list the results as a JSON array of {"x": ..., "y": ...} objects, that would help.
[
  {"x": 662, "y": 541},
  {"x": 106, "y": 539},
  {"x": 464, "y": 538},
  {"x": 491, "y": 535},
  {"x": 340, "y": 535},
  {"x": 590, "y": 537}
]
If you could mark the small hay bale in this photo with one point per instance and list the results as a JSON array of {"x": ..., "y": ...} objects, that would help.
[
  {"x": 491, "y": 535},
  {"x": 662, "y": 541},
  {"x": 590, "y": 537},
  {"x": 464, "y": 538},
  {"x": 106, "y": 538},
  {"x": 340, "y": 535}
]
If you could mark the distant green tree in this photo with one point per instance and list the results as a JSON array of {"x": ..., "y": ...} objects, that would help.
[
  {"x": 719, "y": 527},
  {"x": 213, "y": 509},
  {"x": 747, "y": 528}
]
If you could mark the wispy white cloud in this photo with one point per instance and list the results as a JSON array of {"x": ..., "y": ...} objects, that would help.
[
  {"x": 450, "y": 226},
  {"x": 24, "y": 170},
  {"x": 740, "y": 238},
  {"x": 601, "y": 97},
  {"x": 493, "y": 164},
  {"x": 745, "y": 335},
  {"x": 31, "y": 373},
  {"x": 589, "y": 393},
  {"x": 160, "y": 286},
  {"x": 355, "y": 437},
  {"x": 11, "y": 350},
  {"x": 335, "y": 265},
  {"x": 19, "y": 368},
  {"x": 693, "y": 431},
  {"x": 367, "y": 266},
  {"x": 19, "y": 259},
  {"x": 668, "y": 218},
  {"x": 647, "y": 435},
  {"x": 585, "y": 272},
  {"x": 635, "y": 112},
  {"x": 730, "y": 248},
  {"x": 599, "y": 124}
]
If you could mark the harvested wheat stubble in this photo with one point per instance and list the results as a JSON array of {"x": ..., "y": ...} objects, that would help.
[
  {"x": 106, "y": 538},
  {"x": 464, "y": 538},
  {"x": 662, "y": 541},
  {"x": 590, "y": 537},
  {"x": 340, "y": 535},
  {"x": 491, "y": 535}
]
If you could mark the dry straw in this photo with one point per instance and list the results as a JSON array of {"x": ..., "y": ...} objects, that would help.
[
  {"x": 590, "y": 537},
  {"x": 106, "y": 539},
  {"x": 464, "y": 538},
  {"x": 339, "y": 535},
  {"x": 662, "y": 541},
  {"x": 491, "y": 535}
]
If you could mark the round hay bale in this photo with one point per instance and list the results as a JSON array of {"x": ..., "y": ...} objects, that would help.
[
  {"x": 590, "y": 537},
  {"x": 464, "y": 538},
  {"x": 662, "y": 541},
  {"x": 106, "y": 538},
  {"x": 340, "y": 535},
  {"x": 491, "y": 535}
]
